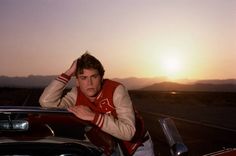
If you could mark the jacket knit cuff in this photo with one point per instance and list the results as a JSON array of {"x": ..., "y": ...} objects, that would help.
[
  {"x": 63, "y": 78},
  {"x": 98, "y": 120}
]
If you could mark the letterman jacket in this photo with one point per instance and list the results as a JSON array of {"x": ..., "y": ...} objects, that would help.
[
  {"x": 104, "y": 104},
  {"x": 122, "y": 128}
]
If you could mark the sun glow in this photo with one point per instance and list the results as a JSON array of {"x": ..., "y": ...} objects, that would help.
[{"x": 171, "y": 64}]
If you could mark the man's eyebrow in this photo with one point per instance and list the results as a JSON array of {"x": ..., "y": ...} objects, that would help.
[{"x": 95, "y": 74}]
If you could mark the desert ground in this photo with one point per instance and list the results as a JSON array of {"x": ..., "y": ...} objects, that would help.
[{"x": 205, "y": 120}]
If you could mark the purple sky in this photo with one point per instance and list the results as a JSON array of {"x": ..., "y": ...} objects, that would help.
[{"x": 179, "y": 39}]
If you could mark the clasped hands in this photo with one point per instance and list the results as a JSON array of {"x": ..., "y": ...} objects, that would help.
[{"x": 82, "y": 112}]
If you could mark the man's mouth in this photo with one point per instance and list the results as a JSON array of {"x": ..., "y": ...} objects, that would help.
[{"x": 90, "y": 89}]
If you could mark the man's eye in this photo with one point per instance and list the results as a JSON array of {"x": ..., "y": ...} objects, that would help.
[
  {"x": 95, "y": 76},
  {"x": 82, "y": 77}
]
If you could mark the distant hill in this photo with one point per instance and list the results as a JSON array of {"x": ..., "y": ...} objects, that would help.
[
  {"x": 42, "y": 81},
  {"x": 30, "y": 81},
  {"x": 171, "y": 86},
  {"x": 137, "y": 83},
  {"x": 132, "y": 83},
  {"x": 216, "y": 81}
]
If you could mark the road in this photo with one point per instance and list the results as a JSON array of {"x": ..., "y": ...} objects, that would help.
[
  {"x": 200, "y": 138},
  {"x": 206, "y": 121}
]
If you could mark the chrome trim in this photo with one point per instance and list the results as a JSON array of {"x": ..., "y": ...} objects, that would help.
[
  {"x": 24, "y": 109},
  {"x": 177, "y": 147},
  {"x": 14, "y": 125}
]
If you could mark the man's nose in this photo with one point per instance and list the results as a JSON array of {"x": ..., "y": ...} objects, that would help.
[{"x": 90, "y": 82}]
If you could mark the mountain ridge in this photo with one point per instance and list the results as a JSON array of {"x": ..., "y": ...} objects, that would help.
[
  {"x": 203, "y": 87},
  {"x": 43, "y": 81},
  {"x": 132, "y": 83}
]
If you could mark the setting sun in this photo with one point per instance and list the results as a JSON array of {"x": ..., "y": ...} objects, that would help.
[{"x": 171, "y": 64}]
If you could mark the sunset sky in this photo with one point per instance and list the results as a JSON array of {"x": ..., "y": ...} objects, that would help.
[{"x": 178, "y": 39}]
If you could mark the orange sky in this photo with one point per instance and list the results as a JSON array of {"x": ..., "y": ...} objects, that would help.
[{"x": 179, "y": 39}]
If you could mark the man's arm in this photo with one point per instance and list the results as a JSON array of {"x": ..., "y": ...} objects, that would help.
[
  {"x": 124, "y": 126},
  {"x": 52, "y": 94}
]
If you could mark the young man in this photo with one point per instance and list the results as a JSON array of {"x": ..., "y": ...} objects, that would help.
[{"x": 104, "y": 103}]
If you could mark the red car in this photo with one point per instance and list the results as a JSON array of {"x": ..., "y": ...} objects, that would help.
[{"x": 40, "y": 131}]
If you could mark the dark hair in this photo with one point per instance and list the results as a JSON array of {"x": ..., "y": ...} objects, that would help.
[{"x": 87, "y": 61}]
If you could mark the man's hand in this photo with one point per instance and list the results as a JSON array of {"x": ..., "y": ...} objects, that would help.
[
  {"x": 82, "y": 112},
  {"x": 72, "y": 70}
]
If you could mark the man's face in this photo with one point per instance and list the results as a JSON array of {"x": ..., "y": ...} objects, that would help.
[{"x": 89, "y": 82}]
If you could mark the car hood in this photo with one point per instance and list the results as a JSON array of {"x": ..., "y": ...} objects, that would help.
[{"x": 43, "y": 131}]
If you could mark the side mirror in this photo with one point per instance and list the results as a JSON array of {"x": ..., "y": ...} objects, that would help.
[{"x": 177, "y": 147}]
